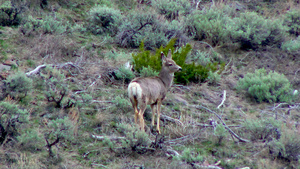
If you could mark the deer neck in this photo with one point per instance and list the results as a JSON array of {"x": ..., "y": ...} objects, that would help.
[{"x": 166, "y": 77}]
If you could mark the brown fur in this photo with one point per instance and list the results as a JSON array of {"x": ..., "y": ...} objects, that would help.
[{"x": 152, "y": 91}]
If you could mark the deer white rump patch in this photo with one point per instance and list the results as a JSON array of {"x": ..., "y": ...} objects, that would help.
[{"x": 134, "y": 90}]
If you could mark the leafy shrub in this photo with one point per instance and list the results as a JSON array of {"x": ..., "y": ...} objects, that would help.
[
  {"x": 141, "y": 26},
  {"x": 287, "y": 147},
  {"x": 47, "y": 25},
  {"x": 9, "y": 16},
  {"x": 292, "y": 45},
  {"x": 171, "y": 9},
  {"x": 57, "y": 88},
  {"x": 211, "y": 25},
  {"x": 191, "y": 72},
  {"x": 268, "y": 87},
  {"x": 104, "y": 19},
  {"x": 12, "y": 117},
  {"x": 253, "y": 31},
  {"x": 292, "y": 21},
  {"x": 58, "y": 130},
  {"x": 148, "y": 72},
  {"x": 191, "y": 157},
  {"x": 121, "y": 103},
  {"x": 263, "y": 129},
  {"x": 124, "y": 74},
  {"x": 31, "y": 140},
  {"x": 220, "y": 132},
  {"x": 213, "y": 78},
  {"x": 135, "y": 139},
  {"x": 175, "y": 29},
  {"x": 17, "y": 85}
]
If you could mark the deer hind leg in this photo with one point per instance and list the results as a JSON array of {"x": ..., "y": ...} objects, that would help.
[
  {"x": 136, "y": 112},
  {"x": 141, "y": 116}
]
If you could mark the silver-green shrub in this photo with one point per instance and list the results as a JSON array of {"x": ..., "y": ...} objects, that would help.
[
  {"x": 287, "y": 147},
  {"x": 254, "y": 31},
  {"x": 103, "y": 19},
  {"x": 266, "y": 87},
  {"x": 17, "y": 85},
  {"x": 211, "y": 25},
  {"x": 171, "y": 9},
  {"x": 263, "y": 129},
  {"x": 141, "y": 26},
  {"x": 47, "y": 25},
  {"x": 292, "y": 21},
  {"x": 291, "y": 45}
]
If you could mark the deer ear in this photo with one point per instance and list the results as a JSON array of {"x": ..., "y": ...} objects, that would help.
[
  {"x": 170, "y": 54},
  {"x": 163, "y": 57}
]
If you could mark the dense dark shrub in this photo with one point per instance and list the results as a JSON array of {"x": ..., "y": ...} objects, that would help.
[
  {"x": 191, "y": 72},
  {"x": 9, "y": 15}
]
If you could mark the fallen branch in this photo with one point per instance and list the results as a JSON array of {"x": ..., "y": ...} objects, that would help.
[
  {"x": 224, "y": 98},
  {"x": 109, "y": 137},
  {"x": 59, "y": 66},
  {"x": 224, "y": 124},
  {"x": 168, "y": 118}
]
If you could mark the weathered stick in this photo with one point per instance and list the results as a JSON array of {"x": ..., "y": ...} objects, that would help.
[
  {"x": 223, "y": 100},
  {"x": 59, "y": 66},
  {"x": 109, "y": 137}
]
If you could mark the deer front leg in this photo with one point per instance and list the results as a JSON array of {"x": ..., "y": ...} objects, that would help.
[
  {"x": 154, "y": 110},
  {"x": 158, "y": 116}
]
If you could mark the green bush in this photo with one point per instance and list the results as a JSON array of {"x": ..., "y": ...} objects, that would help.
[
  {"x": 47, "y": 25},
  {"x": 141, "y": 26},
  {"x": 31, "y": 140},
  {"x": 262, "y": 129},
  {"x": 191, "y": 72},
  {"x": 104, "y": 19},
  {"x": 213, "y": 78},
  {"x": 57, "y": 88},
  {"x": 212, "y": 26},
  {"x": 191, "y": 157},
  {"x": 148, "y": 72},
  {"x": 172, "y": 9},
  {"x": 287, "y": 147},
  {"x": 124, "y": 74},
  {"x": 9, "y": 15},
  {"x": 175, "y": 29},
  {"x": 292, "y": 21},
  {"x": 12, "y": 118},
  {"x": 254, "y": 31},
  {"x": 292, "y": 45},
  {"x": 17, "y": 86},
  {"x": 266, "y": 87}
]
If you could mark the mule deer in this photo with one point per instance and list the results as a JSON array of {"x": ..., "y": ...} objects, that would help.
[{"x": 152, "y": 90}]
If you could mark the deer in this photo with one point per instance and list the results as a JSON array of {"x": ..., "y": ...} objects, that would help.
[{"x": 143, "y": 91}]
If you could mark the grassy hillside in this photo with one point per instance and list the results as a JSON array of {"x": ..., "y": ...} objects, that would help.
[{"x": 65, "y": 67}]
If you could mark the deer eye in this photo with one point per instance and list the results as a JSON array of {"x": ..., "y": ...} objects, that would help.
[{"x": 170, "y": 64}]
